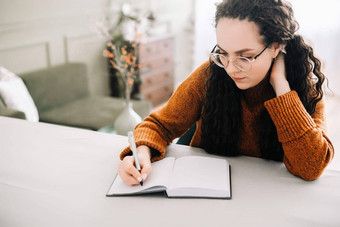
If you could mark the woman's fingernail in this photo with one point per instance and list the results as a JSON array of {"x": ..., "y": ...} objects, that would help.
[
  {"x": 139, "y": 179},
  {"x": 145, "y": 176}
]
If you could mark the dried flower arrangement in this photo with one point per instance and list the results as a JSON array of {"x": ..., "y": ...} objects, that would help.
[
  {"x": 124, "y": 60},
  {"x": 122, "y": 54}
]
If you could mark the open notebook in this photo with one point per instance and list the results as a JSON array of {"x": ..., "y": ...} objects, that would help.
[{"x": 188, "y": 176}]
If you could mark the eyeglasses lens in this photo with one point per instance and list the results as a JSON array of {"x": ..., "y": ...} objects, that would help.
[{"x": 241, "y": 63}]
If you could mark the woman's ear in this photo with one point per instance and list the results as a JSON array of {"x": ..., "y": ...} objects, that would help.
[{"x": 276, "y": 47}]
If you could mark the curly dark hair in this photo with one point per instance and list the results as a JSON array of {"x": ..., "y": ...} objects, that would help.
[{"x": 222, "y": 108}]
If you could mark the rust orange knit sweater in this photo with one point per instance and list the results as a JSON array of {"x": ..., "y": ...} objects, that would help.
[{"x": 307, "y": 149}]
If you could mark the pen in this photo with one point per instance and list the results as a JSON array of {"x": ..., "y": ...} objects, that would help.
[{"x": 134, "y": 152}]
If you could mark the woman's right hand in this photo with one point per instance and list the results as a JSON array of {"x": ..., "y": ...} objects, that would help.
[{"x": 127, "y": 170}]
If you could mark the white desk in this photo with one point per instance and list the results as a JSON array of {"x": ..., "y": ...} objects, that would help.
[{"x": 58, "y": 176}]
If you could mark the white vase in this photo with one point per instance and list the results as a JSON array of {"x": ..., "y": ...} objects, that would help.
[{"x": 127, "y": 120}]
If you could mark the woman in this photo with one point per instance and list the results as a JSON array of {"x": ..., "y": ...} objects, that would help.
[{"x": 259, "y": 95}]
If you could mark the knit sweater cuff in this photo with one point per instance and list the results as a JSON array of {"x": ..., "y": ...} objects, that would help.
[
  {"x": 289, "y": 116},
  {"x": 150, "y": 138}
]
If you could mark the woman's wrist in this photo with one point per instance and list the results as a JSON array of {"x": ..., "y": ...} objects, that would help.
[
  {"x": 282, "y": 88},
  {"x": 144, "y": 151}
]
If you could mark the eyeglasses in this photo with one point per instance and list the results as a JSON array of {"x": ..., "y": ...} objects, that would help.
[{"x": 242, "y": 63}]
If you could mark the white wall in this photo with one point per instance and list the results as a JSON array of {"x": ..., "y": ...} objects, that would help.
[
  {"x": 38, "y": 33},
  {"x": 320, "y": 24},
  {"x": 205, "y": 34}
]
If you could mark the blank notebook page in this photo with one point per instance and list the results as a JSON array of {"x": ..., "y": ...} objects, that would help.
[
  {"x": 200, "y": 172},
  {"x": 159, "y": 176}
]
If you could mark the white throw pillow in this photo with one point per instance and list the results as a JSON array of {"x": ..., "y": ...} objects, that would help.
[{"x": 16, "y": 96}]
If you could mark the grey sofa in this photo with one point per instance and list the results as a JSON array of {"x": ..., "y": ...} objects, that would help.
[{"x": 61, "y": 95}]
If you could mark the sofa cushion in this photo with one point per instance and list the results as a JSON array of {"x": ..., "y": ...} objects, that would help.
[
  {"x": 8, "y": 112},
  {"x": 93, "y": 112},
  {"x": 57, "y": 85},
  {"x": 2, "y": 104}
]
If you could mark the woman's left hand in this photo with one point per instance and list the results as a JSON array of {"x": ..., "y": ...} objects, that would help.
[{"x": 278, "y": 78}]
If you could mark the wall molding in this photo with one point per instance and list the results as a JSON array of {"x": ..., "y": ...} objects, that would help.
[
  {"x": 68, "y": 39},
  {"x": 22, "y": 47},
  {"x": 43, "y": 22}
]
